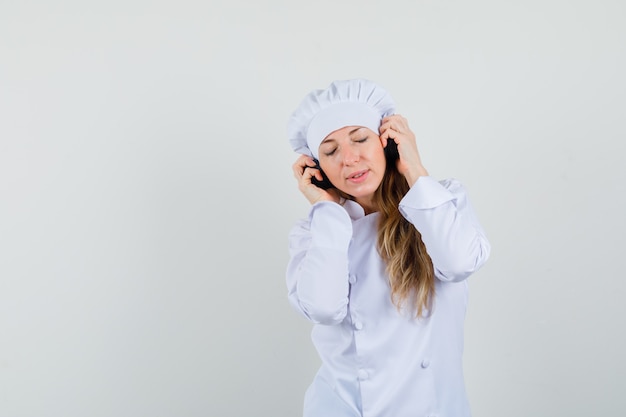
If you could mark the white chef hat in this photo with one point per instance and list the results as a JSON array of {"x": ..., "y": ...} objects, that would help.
[{"x": 343, "y": 103}]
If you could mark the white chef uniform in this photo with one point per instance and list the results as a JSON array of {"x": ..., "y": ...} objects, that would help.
[{"x": 378, "y": 361}]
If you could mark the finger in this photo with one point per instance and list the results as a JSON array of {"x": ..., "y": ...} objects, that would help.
[
  {"x": 313, "y": 172},
  {"x": 308, "y": 162},
  {"x": 389, "y": 133},
  {"x": 389, "y": 125},
  {"x": 386, "y": 124},
  {"x": 302, "y": 162},
  {"x": 390, "y": 117},
  {"x": 395, "y": 116},
  {"x": 304, "y": 176},
  {"x": 396, "y": 122},
  {"x": 298, "y": 168}
]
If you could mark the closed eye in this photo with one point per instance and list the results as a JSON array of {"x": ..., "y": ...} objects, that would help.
[{"x": 330, "y": 153}]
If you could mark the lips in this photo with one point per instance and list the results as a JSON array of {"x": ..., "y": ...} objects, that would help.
[{"x": 358, "y": 176}]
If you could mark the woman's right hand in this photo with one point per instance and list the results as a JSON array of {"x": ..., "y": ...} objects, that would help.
[{"x": 304, "y": 169}]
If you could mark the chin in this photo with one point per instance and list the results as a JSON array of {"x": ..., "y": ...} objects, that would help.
[{"x": 360, "y": 193}]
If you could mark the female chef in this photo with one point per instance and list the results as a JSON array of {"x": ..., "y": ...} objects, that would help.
[{"x": 381, "y": 261}]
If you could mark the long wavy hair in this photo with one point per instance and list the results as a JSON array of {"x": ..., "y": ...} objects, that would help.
[{"x": 409, "y": 267}]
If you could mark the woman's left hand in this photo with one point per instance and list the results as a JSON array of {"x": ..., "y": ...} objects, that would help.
[{"x": 409, "y": 164}]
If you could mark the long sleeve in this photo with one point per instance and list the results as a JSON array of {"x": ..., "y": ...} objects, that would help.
[
  {"x": 317, "y": 273},
  {"x": 443, "y": 215}
]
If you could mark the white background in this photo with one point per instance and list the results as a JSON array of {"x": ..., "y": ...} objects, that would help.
[{"x": 146, "y": 195}]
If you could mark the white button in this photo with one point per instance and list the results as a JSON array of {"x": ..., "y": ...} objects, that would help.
[
  {"x": 358, "y": 325},
  {"x": 352, "y": 279},
  {"x": 425, "y": 363},
  {"x": 363, "y": 374}
]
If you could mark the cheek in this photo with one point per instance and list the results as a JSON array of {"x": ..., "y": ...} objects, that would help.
[
  {"x": 329, "y": 169},
  {"x": 380, "y": 160}
]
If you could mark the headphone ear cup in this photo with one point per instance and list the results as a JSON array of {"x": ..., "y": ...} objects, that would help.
[
  {"x": 325, "y": 184},
  {"x": 391, "y": 151}
]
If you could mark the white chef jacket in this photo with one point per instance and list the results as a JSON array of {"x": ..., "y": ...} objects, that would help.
[{"x": 377, "y": 361}]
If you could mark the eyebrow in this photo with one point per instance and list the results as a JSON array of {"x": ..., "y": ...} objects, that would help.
[{"x": 353, "y": 131}]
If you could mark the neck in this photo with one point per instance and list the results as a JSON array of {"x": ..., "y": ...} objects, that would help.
[{"x": 367, "y": 205}]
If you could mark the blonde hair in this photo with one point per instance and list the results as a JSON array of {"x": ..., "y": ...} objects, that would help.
[{"x": 409, "y": 267}]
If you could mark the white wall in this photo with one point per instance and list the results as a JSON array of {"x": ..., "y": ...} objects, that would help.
[{"x": 146, "y": 195}]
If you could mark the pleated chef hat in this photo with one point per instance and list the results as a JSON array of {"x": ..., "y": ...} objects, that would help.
[{"x": 343, "y": 103}]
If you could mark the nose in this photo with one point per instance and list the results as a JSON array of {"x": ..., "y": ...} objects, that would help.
[{"x": 350, "y": 156}]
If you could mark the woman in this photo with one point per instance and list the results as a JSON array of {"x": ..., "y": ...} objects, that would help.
[{"x": 380, "y": 264}]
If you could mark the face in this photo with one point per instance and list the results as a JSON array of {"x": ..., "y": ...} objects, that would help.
[{"x": 354, "y": 161}]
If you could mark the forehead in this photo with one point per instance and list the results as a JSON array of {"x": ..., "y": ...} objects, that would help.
[{"x": 344, "y": 132}]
